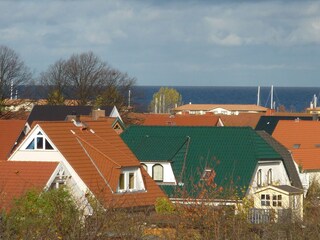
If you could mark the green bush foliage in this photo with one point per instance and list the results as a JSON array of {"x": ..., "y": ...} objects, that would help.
[{"x": 164, "y": 206}]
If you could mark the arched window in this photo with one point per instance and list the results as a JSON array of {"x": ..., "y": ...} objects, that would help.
[
  {"x": 269, "y": 176},
  {"x": 259, "y": 177},
  {"x": 144, "y": 166},
  {"x": 157, "y": 172}
]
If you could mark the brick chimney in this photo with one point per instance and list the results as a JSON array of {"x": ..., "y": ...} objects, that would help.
[{"x": 96, "y": 113}]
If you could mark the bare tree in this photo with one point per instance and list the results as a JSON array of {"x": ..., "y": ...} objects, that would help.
[
  {"x": 87, "y": 78},
  {"x": 55, "y": 82},
  {"x": 12, "y": 70}
]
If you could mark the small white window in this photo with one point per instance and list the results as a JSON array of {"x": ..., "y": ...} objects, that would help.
[
  {"x": 208, "y": 174},
  {"x": 269, "y": 176},
  {"x": 121, "y": 181},
  {"x": 131, "y": 181},
  {"x": 127, "y": 181},
  {"x": 265, "y": 200},
  {"x": 277, "y": 200},
  {"x": 157, "y": 172},
  {"x": 259, "y": 177}
]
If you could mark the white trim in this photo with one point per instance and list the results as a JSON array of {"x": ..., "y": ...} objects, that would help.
[{"x": 31, "y": 135}]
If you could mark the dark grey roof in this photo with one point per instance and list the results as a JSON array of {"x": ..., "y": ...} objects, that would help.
[
  {"x": 269, "y": 123},
  {"x": 289, "y": 189},
  {"x": 286, "y": 156},
  {"x": 60, "y": 112}
]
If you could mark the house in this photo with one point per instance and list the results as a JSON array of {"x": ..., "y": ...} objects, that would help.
[
  {"x": 227, "y": 109},
  {"x": 62, "y": 113},
  {"x": 239, "y": 160},
  {"x": 180, "y": 120},
  {"x": 303, "y": 141},
  {"x": 9, "y": 135},
  {"x": 281, "y": 203},
  {"x": 94, "y": 160}
]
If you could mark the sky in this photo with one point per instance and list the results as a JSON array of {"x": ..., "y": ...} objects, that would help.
[{"x": 173, "y": 43}]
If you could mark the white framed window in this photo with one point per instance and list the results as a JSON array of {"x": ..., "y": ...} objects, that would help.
[
  {"x": 265, "y": 200},
  {"x": 208, "y": 174},
  {"x": 277, "y": 200},
  {"x": 130, "y": 180},
  {"x": 121, "y": 182},
  {"x": 127, "y": 182},
  {"x": 39, "y": 142},
  {"x": 157, "y": 172},
  {"x": 269, "y": 177},
  {"x": 259, "y": 177}
]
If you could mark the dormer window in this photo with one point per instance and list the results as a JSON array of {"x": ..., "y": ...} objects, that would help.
[
  {"x": 130, "y": 180},
  {"x": 157, "y": 172},
  {"x": 208, "y": 174},
  {"x": 296, "y": 145},
  {"x": 39, "y": 142}
]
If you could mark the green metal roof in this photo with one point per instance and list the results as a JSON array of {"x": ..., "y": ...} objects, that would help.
[{"x": 233, "y": 153}]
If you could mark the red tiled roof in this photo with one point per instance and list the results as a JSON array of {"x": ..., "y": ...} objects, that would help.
[
  {"x": 308, "y": 159},
  {"x": 97, "y": 154},
  {"x": 241, "y": 120},
  {"x": 18, "y": 177},
  {"x": 9, "y": 133},
  {"x": 303, "y": 139},
  {"x": 179, "y": 120}
]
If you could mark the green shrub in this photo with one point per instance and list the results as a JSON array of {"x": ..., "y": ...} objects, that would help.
[{"x": 164, "y": 206}]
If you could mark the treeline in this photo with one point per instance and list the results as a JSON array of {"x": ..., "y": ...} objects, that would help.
[
  {"x": 55, "y": 215},
  {"x": 84, "y": 77}
]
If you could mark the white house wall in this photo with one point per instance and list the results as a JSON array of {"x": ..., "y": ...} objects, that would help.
[
  {"x": 37, "y": 155},
  {"x": 279, "y": 174},
  {"x": 221, "y": 111},
  {"x": 168, "y": 176}
]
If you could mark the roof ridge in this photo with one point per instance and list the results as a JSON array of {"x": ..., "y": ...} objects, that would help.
[{"x": 95, "y": 165}]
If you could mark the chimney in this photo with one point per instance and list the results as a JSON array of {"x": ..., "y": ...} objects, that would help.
[
  {"x": 315, "y": 117},
  {"x": 98, "y": 113}
]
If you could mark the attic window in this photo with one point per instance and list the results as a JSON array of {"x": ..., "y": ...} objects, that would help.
[
  {"x": 39, "y": 142},
  {"x": 296, "y": 145},
  {"x": 130, "y": 180},
  {"x": 208, "y": 174}
]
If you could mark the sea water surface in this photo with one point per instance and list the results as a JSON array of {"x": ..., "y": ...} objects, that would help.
[{"x": 294, "y": 99}]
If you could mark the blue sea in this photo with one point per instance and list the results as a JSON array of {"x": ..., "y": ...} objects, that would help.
[{"x": 294, "y": 99}]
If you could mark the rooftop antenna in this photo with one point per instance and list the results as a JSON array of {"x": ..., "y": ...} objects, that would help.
[
  {"x": 271, "y": 101},
  {"x": 258, "y": 97},
  {"x": 129, "y": 98},
  {"x": 11, "y": 89}
]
